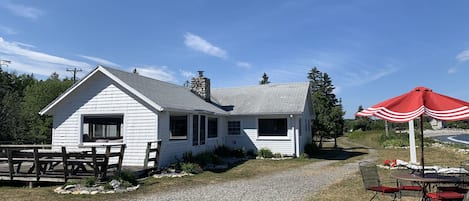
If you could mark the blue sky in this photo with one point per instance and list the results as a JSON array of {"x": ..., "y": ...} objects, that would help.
[{"x": 372, "y": 49}]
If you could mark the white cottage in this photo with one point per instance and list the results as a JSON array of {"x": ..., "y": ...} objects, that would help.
[{"x": 113, "y": 106}]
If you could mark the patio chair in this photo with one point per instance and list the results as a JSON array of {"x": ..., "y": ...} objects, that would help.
[
  {"x": 445, "y": 193},
  {"x": 371, "y": 181},
  {"x": 409, "y": 188}
]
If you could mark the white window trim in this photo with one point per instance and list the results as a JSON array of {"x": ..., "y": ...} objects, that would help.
[
  {"x": 179, "y": 138},
  {"x": 80, "y": 127},
  {"x": 273, "y": 136}
]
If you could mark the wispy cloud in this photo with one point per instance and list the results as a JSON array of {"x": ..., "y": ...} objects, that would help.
[
  {"x": 157, "y": 72},
  {"x": 362, "y": 77},
  {"x": 463, "y": 56},
  {"x": 243, "y": 64},
  {"x": 7, "y": 30},
  {"x": 39, "y": 63},
  {"x": 23, "y": 10},
  {"x": 101, "y": 61},
  {"x": 187, "y": 74},
  {"x": 199, "y": 44}
]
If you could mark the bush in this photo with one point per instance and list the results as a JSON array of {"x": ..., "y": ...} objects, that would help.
[
  {"x": 278, "y": 155},
  {"x": 193, "y": 168},
  {"x": 89, "y": 181},
  {"x": 265, "y": 153},
  {"x": 222, "y": 151},
  {"x": 238, "y": 153},
  {"x": 206, "y": 158},
  {"x": 127, "y": 176},
  {"x": 251, "y": 152},
  {"x": 304, "y": 156},
  {"x": 108, "y": 186}
]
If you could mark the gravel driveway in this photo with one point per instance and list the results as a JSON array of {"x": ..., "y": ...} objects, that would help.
[{"x": 293, "y": 184}]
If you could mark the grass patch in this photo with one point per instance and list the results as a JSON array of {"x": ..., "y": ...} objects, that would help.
[{"x": 354, "y": 185}]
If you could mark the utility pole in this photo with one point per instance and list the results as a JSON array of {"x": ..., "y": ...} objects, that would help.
[{"x": 74, "y": 70}]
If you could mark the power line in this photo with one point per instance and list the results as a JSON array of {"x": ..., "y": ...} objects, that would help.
[{"x": 74, "y": 70}]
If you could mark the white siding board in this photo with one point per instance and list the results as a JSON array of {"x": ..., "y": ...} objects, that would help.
[{"x": 100, "y": 95}]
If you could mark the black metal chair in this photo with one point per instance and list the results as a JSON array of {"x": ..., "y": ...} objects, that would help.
[{"x": 372, "y": 182}]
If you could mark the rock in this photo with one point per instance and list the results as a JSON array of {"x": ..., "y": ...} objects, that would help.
[
  {"x": 68, "y": 187},
  {"x": 94, "y": 192},
  {"x": 115, "y": 184},
  {"x": 84, "y": 192},
  {"x": 111, "y": 191},
  {"x": 58, "y": 189},
  {"x": 133, "y": 188},
  {"x": 76, "y": 193},
  {"x": 64, "y": 192}
]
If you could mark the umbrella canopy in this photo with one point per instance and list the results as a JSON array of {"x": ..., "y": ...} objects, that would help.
[{"x": 417, "y": 103}]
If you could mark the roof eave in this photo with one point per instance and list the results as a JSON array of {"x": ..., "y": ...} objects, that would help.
[{"x": 112, "y": 77}]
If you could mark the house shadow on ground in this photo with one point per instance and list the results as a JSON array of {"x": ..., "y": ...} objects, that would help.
[{"x": 338, "y": 153}]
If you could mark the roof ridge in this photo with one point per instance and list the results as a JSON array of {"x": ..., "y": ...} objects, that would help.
[{"x": 264, "y": 85}]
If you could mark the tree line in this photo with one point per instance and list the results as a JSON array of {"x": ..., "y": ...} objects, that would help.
[{"x": 21, "y": 99}]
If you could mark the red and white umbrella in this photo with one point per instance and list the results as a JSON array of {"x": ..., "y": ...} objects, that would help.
[{"x": 417, "y": 103}]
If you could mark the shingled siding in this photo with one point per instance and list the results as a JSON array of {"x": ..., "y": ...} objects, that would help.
[
  {"x": 249, "y": 138},
  {"x": 101, "y": 95}
]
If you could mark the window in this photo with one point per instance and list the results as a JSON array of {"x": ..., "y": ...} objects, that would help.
[
  {"x": 272, "y": 127},
  {"x": 102, "y": 127},
  {"x": 202, "y": 130},
  {"x": 212, "y": 127},
  {"x": 195, "y": 130},
  {"x": 178, "y": 127},
  {"x": 234, "y": 127}
]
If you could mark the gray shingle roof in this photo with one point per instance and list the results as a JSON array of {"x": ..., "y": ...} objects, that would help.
[
  {"x": 263, "y": 99},
  {"x": 168, "y": 96}
]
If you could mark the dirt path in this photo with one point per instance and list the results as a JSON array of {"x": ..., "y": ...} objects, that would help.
[{"x": 293, "y": 184}]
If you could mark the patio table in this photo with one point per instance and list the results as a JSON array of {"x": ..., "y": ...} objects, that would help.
[{"x": 426, "y": 180}]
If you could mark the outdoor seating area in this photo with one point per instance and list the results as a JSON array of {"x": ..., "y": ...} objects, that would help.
[
  {"x": 42, "y": 163},
  {"x": 433, "y": 185}
]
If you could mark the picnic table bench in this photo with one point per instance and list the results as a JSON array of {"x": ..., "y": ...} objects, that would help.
[{"x": 46, "y": 164}]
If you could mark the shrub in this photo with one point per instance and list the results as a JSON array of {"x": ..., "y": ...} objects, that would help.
[
  {"x": 108, "y": 186},
  {"x": 89, "y": 181},
  {"x": 251, "y": 152},
  {"x": 193, "y": 168},
  {"x": 238, "y": 153},
  {"x": 206, "y": 158},
  {"x": 265, "y": 153},
  {"x": 304, "y": 156},
  {"x": 222, "y": 151},
  {"x": 277, "y": 155},
  {"x": 127, "y": 176}
]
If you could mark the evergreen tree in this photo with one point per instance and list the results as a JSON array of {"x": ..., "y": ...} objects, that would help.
[
  {"x": 265, "y": 79},
  {"x": 329, "y": 112}
]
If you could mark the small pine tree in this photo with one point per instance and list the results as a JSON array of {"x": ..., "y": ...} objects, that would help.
[{"x": 265, "y": 79}]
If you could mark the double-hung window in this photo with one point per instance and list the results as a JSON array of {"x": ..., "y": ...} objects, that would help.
[
  {"x": 212, "y": 127},
  {"x": 234, "y": 127},
  {"x": 178, "y": 127}
]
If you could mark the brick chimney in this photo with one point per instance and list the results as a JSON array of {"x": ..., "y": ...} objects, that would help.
[{"x": 201, "y": 86}]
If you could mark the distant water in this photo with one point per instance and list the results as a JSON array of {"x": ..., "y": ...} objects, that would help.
[{"x": 460, "y": 139}]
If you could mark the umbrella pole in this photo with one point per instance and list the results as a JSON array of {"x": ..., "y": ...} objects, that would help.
[{"x": 421, "y": 147}]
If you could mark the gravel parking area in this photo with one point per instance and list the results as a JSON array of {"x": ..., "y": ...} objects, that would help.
[{"x": 294, "y": 184}]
